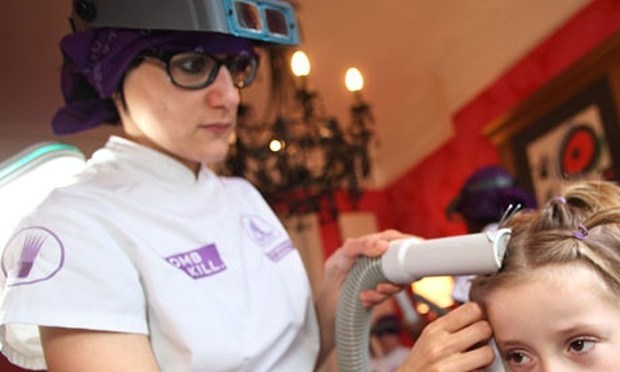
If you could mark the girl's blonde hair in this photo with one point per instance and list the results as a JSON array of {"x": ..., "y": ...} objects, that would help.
[{"x": 580, "y": 226}]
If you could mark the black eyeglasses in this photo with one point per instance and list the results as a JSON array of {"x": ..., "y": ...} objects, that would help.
[{"x": 192, "y": 70}]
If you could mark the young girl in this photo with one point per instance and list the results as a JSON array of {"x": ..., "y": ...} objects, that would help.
[{"x": 555, "y": 304}]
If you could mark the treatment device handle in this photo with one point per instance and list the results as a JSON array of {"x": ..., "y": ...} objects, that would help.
[{"x": 410, "y": 259}]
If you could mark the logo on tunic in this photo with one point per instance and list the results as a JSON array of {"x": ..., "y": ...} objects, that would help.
[
  {"x": 33, "y": 254},
  {"x": 259, "y": 230},
  {"x": 199, "y": 263},
  {"x": 272, "y": 241}
]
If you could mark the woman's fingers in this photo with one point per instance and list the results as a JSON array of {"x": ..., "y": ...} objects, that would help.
[
  {"x": 371, "y": 245},
  {"x": 453, "y": 343},
  {"x": 460, "y": 317},
  {"x": 463, "y": 328},
  {"x": 477, "y": 359},
  {"x": 383, "y": 291},
  {"x": 472, "y": 360}
]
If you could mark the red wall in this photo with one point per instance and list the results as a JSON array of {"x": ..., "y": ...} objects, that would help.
[{"x": 415, "y": 202}]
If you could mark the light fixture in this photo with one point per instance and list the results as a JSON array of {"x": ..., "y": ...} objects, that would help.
[
  {"x": 300, "y": 65},
  {"x": 354, "y": 80},
  {"x": 30, "y": 175},
  {"x": 437, "y": 289},
  {"x": 303, "y": 158}
]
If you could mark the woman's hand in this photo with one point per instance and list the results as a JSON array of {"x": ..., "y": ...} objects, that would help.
[
  {"x": 337, "y": 268},
  {"x": 456, "y": 342},
  {"x": 340, "y": 263}
]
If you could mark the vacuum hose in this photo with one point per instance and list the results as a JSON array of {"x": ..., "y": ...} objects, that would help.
[{"x": 352, "y": 319}]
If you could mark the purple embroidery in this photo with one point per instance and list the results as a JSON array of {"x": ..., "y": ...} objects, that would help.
[
  {"x": 32, "y": 247},
  {"x": 199, "y": 263},
  {"x": 259, "y": 230},
  {"x": 273, "y": 243},
  {"x": 34, "y": 254}
]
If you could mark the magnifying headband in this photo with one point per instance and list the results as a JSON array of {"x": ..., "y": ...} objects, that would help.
[{"x": 269, "y": 21}]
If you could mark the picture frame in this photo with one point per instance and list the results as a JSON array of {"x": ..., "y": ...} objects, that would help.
[
  {"x": 577, "y": 140},
  {"x": 568, "y": 130}
]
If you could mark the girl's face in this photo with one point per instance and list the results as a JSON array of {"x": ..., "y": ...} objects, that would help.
[
  {"x": 558, "y": 318},
  {"x": 193, "y": 126}
]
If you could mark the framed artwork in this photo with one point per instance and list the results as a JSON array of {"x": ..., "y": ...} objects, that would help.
[
  {"x": 577, "y": 140},
  {"x": 568, "y": 130}
]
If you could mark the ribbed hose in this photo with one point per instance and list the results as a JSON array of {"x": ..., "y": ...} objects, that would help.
[{"x": 352, "y": 319}]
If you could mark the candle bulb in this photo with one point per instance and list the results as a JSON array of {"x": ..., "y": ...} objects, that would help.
[
  {"x": 354, "y": 80},
  {"x": 300, "y": 64},
  {"x": 301, "y": 67}
]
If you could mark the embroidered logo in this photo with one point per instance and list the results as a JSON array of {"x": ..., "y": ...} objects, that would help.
[
  {"x": 30, "y": 250},
  {"x": 33, "y": 254},
  {"x": 260, "y": 231},
  {"x": 274, "y": 243},
  {"x": 199, "y": 263}
]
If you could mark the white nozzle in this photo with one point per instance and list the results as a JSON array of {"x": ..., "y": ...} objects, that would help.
[{"x": 407, "y": 260}]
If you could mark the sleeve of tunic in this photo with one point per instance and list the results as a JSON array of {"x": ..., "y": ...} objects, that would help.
[{"x": 66, "y": 267}]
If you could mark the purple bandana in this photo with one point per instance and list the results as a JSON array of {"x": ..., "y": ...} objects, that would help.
[{"x": 95, "y": 61}]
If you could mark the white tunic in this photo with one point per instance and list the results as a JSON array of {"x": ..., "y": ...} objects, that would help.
[{"x": 139, "y": 244}]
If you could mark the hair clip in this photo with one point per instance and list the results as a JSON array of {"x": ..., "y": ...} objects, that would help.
[
  {"x": 509, "y": 212},
  {"x": 559, "y": 199},
  {"x": 581, "y": 232}
]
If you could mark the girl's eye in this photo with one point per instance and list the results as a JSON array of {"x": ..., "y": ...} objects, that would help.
[
  {"x": 581, "y": 345},
  {"x": 518, "y": 358}
]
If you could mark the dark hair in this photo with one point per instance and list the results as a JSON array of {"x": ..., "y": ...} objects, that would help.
[
  {"x": 387, "y": 324},
  {"x": 485, "y": 195}
]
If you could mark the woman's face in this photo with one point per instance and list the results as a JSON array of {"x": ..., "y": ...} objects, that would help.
[
  {"x": 558, "y": 318},
  {"x": 193, "y": 126}
]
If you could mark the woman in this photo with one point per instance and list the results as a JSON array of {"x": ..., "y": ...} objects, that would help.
[{"x": 150, "y": 261}]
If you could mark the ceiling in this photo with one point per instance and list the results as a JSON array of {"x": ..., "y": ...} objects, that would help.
[{"x": 422, "y": 61}]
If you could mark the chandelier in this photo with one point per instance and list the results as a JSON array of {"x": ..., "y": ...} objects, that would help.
[{"x": 302, "y": 158}]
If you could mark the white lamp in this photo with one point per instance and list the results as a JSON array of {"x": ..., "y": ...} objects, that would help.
[{"x": 29, "y": 176}]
